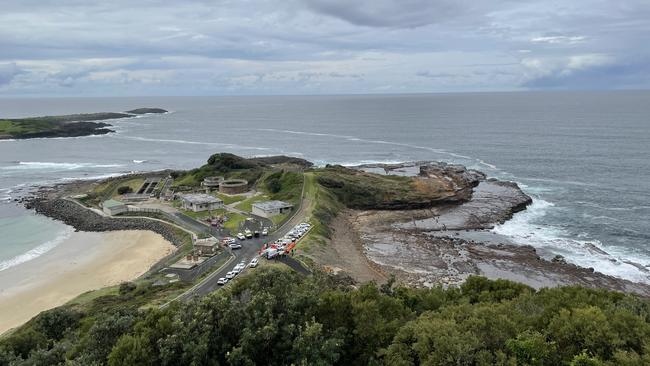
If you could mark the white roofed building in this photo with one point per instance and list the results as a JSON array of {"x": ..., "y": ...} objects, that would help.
[
  {"x": 271, "y": 208},
  {"x": 200, "y": 202}
]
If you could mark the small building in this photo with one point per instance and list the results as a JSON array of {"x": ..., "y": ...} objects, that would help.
[
  {"x": 200, "y": 202},
  {"x": 271, "y": 208},
  {"x": 206, "y": 247},
  {"x": 212, "y": 183},
  {"x": 233, "y": 186},
  {"x": 114, "y": 207}
]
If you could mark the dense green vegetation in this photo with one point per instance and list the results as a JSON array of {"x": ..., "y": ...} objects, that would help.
[
  {"x": 276, "y": 317},
  {"x": 361, "y": 190},
  {"x": 224, "y": 164}
]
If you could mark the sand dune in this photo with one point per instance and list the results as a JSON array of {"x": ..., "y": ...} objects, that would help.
[{"x": 84, "y": 262}]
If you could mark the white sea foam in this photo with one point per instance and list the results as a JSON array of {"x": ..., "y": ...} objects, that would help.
[
  {"x": 92, "y": 177},
  {"x": 524, "y": 229},
  {"x": 358, "y": 139},
  {"x": 38, "y": 165},
  {"x": 139, "y": 161},
  {"x": 215, "y": 144},
  {"x": 491, "y": 166},
  {"x": 38, "y": 251}
]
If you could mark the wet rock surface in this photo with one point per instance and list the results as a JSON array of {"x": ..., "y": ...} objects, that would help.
[
  {"x": 492, "y": 202},
  {"x": 445, "y": 244}
]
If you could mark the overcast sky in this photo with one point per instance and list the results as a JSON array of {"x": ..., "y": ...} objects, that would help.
[{"x": 233, "y": 47}]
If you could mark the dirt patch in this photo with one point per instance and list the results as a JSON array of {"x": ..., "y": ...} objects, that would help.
[{"x": 344, "y": 252}]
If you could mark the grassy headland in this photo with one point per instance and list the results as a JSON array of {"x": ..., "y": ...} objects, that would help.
[{"x": 64, "y": 126}]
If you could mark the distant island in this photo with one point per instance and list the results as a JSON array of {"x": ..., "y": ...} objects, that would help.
[{"x": 72, "y": 125}]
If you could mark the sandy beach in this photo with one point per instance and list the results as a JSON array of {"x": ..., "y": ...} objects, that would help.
[{"x": 86, "y": 261}]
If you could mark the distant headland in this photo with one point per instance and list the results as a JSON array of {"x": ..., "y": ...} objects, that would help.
[{"x": 72, "y": 125}]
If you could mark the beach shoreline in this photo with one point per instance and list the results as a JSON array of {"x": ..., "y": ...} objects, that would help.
[{"x": 84, "y": 262}]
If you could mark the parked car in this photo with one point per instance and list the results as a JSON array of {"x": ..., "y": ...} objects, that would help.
[
  {"x": 265, "y": 232},
  {"x": 230, "y": 275},
  {"x": 222, "y": 281},
  {"x": 253, "y": 263},
  {"x": 235, "y": 246},
  {"x": 248, "y": 234},
  {"x": 241, "y": 236},
  {"x": 256, "y": 234}
]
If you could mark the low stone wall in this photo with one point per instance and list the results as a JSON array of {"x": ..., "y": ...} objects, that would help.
[{"x": 86, "y": 220}]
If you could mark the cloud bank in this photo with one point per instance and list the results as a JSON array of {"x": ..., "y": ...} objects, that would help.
[{"x": 229, "y": 47}]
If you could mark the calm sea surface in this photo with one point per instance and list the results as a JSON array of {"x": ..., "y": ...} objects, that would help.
[{"x": 584, "y": 157}]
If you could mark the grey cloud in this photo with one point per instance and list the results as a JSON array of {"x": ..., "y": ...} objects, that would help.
[
  {"x": 8, "y": 72},
  {"x": 318, "y": 46},
  {"x": 389, "y": 13},
  {"x": 626, "y": 75}
]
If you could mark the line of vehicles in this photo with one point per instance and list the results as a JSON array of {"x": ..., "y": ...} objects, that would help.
[
  {"x": 239, "y": 268},
  {"x": 247, "y": 234},
  {"x": 285, "y": 244}
]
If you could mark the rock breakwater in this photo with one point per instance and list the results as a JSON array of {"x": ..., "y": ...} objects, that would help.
[{"x": 83, "y": 219}]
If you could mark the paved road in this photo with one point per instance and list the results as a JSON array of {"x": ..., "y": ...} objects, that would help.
[{"x": 250, "y": 249}]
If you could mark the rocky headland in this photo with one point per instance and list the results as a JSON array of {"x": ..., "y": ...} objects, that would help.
[
  {"x": 445, "y": 243},
  {"x": 427, "y": 223},
  {"x": 73, "y": 125}
]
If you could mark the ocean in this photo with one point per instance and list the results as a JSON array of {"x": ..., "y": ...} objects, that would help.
[{"x": 583, "y": 156}]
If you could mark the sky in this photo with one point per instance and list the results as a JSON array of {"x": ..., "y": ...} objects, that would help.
[{"x": 260, "y": 47}]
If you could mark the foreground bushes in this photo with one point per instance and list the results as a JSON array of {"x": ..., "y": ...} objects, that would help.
[{"x": 277, "y": 317}]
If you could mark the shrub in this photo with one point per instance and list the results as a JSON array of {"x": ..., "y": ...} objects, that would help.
[{"x": 124, "y": 190}]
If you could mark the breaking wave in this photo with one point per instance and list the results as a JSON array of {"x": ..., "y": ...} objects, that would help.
[
  {"x": 37, "y": 165},
  {"x": 188, "y": 142},
  {"x": 36, "y": 252},
  {"x": 525, "y": 229}
]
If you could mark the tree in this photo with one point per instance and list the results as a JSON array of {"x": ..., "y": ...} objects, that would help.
[
  {"x": 54, "y": 323},
  {"x": 103, "y": 335},
  {"x": 584, "y": 359},
  {"x": 131, "y": 350},
  {"x": 531, "y": 348}
]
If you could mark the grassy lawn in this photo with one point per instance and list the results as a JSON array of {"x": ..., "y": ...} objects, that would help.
[
  {"x": 322, "y": 207},
  {"x": 228, "y": 199},
  {"x": 9, "y": 127},
  {"x": 203, "y": 214},
  {"x": 247, "y": 204},
  {"x": 109, "y": 188},
  {"x": 24, "y": 126},
  {"x": 134, "y": 183},
  {"x": 232, "y": 224},
  {"x": 89, "y": 296},
  {"x": 189, "y": 180},
  {"x": 279, "y": 219}
]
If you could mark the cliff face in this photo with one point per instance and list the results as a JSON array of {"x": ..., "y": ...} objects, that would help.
[
  {"x": 359, "y": 189},
  {"x": 408, "y": 186}
]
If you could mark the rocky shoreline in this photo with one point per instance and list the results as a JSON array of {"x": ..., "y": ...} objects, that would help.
[
  {"x": 445, "y": 244},
  {"x": 82, "y": 219}
]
